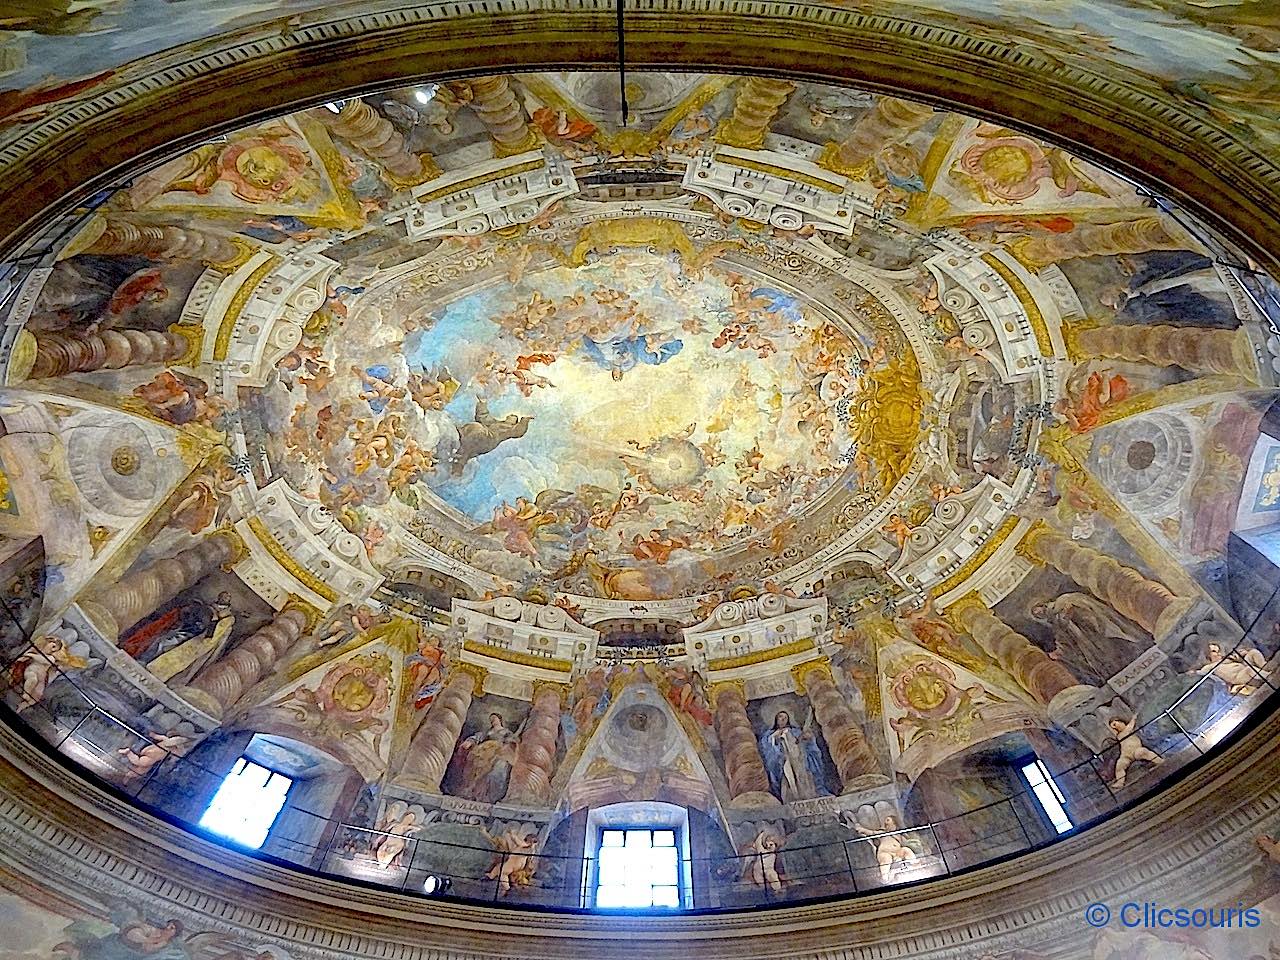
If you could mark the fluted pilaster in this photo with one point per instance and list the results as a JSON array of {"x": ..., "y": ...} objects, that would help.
[
  {"x": 852, "y": 754},
  {"x": 141, "y": 593},
  {"x": 377, "y": 138},
  {"x": 535, "y": 762},
  {"x": 1122, "y": 588},
  {"x": 758, "y": 102},
  {"x": 889, "y": 121},
  {"x": 1034, "y": 670},
  {"x": 743, "y": 767},
  {"x": 433, "y": 745},
  {"x": 57, "y": 354},
  {"x": 1100, "y": 240},
  {"x": 220, "y": 684},
  {"x": 1195, "y": 349}
]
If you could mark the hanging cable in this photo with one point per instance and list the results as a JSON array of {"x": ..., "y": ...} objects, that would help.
[{"x": 622, "y": 64}]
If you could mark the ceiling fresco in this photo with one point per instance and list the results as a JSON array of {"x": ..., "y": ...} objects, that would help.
[
  {"x": 512, "y": 412},
  {"x": 797, "y": 457}
]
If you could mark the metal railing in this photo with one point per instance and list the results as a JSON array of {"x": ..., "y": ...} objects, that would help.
[{"x": 176, "y": 787}]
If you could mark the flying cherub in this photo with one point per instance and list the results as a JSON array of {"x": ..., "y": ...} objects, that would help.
[
  {"x": 658, "y": 545},
  {"x": 748, "y": 465},
  {"x": 519, "y": 524},
  {"x": 434, "y": 390},
  {"x": 899, "y": 527},
  {"x": 525, "y": 378},
  {"x": 935, "y": 635},
  {"x": 377, "y": 387},
  {"x": 375, "y": 443}
]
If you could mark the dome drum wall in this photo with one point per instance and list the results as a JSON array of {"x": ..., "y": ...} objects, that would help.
[
  {"x": 73, "y": 855},
  {"x": 894, "y": 449}
]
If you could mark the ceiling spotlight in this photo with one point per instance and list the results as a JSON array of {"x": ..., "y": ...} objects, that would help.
[
  {"x": 434, "y": 886},
  {"x": 425, "y": 95},
  {"x": 335, "y": 106}
]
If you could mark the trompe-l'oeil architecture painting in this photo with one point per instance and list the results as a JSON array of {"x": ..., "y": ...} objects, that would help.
[{"x": 793, "y": 461}]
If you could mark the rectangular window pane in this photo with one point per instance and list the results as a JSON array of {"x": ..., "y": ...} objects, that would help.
[
  {"x": 637, "y": 869},
  {"x": 254, "y": 776},
  {"x": 1053, "y": 784},
  {"x": 612, "y": 897},
  {"x": 661, "y": 866},
  {"x": 247, "y": 803},
  {"x": 1047, "y": 794},
  {"x": 613, "y": 866},
  {"x": 666, "y": 897}
]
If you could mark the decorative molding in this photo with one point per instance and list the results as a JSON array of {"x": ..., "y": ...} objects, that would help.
[
  {"x": 282, "y": 556},
  {"x": 174, "y": 99},
  {"x": 516, "y": 657},
  {"x": 782, "y": 190},
  {"x": 820, "y": 666},
  {"x": 755, "y": 630},
  {"x": 297, "y": 546},
  {"x": 524, "y": 634},
  {"x": 244, "y": 292},
  {"x": 495, "y": 195},
  {"x": 762, "y": 656}
]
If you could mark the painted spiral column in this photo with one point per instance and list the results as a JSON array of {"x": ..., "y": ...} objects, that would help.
[
  {"x": 377, "y": 138},
  {"x": 1106, "y": 239},
  {"x": 165, "y": 242},
  {"x": 437, "y": 737},
  {"x": 1122, "y": 588},
  {"x": 888, "y": 121},
  {"x": 849, "y": 748},
  {"x": 1196, "y": 349},
  {"x": 220, "y": 684},
  {"x": 57, "y": 354},
  {"x": 743, "y": 766},
  {"x": 141, "y": 593},
  {"x": 535, "y": 762},
  {"x": 758, "y": 102},
  {"x": 496, "y": 104},
  {"x": 1034, "y": 670}
]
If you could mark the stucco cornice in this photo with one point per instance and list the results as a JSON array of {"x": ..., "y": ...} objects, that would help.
[{"x": 177, "y": 98}]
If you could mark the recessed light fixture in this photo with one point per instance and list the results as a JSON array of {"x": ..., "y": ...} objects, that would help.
[{"x": 434, "y": 885}]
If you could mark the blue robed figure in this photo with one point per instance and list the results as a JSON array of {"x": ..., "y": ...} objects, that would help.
[
  {"x": 793, "y": 759},
  {"x": 625, "y": 353}
]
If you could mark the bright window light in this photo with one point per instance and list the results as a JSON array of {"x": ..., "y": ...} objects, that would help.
[
  {"x": 247, "y": 803},
  {"x": 1047, "y": 794},
  {"x": 638, "y": 869}
]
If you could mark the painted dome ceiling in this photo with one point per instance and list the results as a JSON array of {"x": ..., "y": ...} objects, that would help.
[{"x": 467, "y": 416}]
